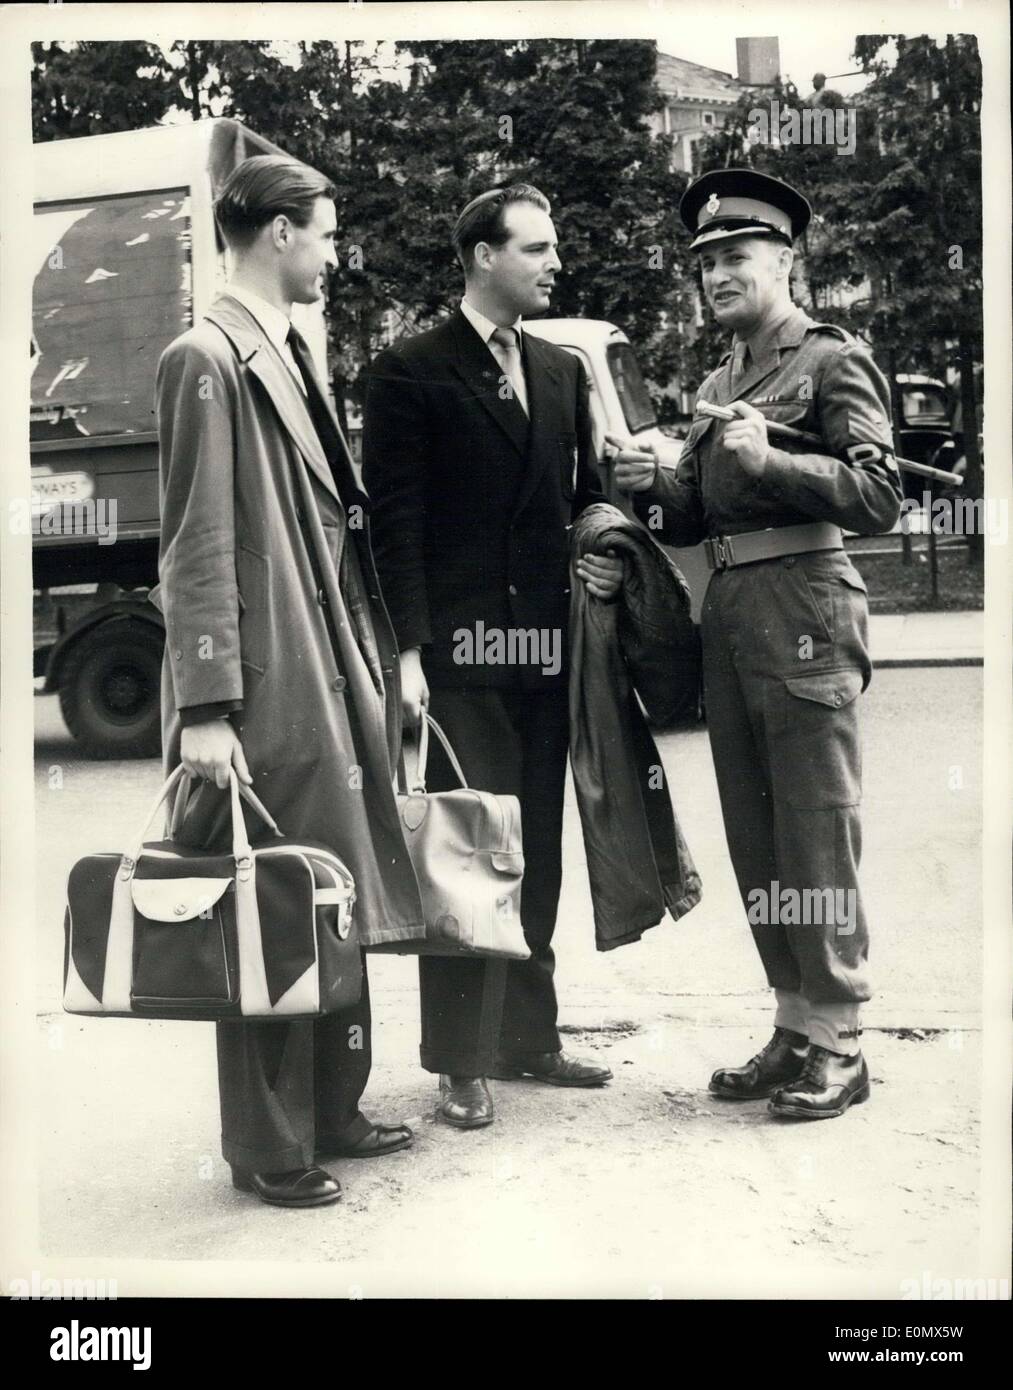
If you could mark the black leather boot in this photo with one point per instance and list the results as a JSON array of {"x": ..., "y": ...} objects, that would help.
[
  {"x": 776, "y": 1064},
  {"x": 829, "y": 1083}
]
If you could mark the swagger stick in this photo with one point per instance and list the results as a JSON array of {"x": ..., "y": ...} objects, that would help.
[{"x": 721, "y": 412}]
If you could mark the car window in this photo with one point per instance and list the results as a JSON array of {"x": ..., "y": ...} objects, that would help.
[
  {"x": 638, "y": 409},
  {"x": 924, "y": 405}
]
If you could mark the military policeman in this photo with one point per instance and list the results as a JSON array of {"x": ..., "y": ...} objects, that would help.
[{"x": 784, "y": 625}]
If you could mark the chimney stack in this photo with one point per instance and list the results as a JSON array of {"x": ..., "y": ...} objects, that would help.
[{"x": 758, "y": 61}]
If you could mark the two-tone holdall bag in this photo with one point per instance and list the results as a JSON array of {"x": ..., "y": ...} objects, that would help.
[{"x": 168, "y": 931}]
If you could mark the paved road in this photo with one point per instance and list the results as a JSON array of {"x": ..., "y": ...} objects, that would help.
[{"x": 647, "y": 1184}]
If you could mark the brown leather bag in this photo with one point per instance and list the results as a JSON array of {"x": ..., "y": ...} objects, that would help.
[{"x": 465, "y": 847}]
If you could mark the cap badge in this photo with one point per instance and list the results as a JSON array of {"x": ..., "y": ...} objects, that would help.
[{"x": 713, "y": 203}]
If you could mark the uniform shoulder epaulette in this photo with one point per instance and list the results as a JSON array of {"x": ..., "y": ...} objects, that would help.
[{"x": 835, "y": 331}]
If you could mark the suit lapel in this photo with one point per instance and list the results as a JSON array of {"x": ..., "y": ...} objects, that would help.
[
  {"x": 543, "y": 383},
  {"x": 476, "y": 364},
  {"x": 246, "y": 335}
]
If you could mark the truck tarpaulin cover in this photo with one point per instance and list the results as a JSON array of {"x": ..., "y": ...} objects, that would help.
[{"x": 112, "y": 290}]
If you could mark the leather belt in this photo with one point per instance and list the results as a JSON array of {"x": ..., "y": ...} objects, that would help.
[{"x": 725, "y": 552}]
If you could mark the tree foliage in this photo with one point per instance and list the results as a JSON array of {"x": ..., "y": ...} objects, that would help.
[
  {"x": 407, "y": 145},
  {"x": 408, "y": 138}
]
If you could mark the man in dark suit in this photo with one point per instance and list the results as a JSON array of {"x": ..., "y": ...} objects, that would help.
[
  {"x": 280, "y": 663},
  {"x": 477, "y": 453}
]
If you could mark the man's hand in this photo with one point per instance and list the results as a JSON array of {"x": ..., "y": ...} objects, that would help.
[
  {"x": 602, "y": 574},
  {"x": 414, "y": 688},
  {"x": 746, "y": 438},
  {"x": 208, "y": 751},
  {"x": 633, "y": 469}
]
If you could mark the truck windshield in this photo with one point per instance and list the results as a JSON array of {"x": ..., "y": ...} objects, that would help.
[
  {"x": 112, "y": 290},
  {"x": 633, "y": 396}
]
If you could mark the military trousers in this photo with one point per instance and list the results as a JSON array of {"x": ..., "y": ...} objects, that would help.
[{"x": 785, "y": 657}]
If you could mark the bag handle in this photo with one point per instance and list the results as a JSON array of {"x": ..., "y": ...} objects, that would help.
[
  {"x": 241, "y": 851},
  {"x": 420, "y": 776},
  {"x": 418, "y": 786},
  {"x": 247, "y": 793}
]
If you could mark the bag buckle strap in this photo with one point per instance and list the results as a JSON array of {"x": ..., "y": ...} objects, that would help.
[{"x": 720, "y": 552}]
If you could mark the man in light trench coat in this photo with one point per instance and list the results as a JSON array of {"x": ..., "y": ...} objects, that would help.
[{"x": 279, "y": 658}]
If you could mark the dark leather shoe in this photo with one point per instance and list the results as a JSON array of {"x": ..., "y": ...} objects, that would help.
[
  {"x": 465, "y": 1102},
  {"x": 300, "y": 1187},
  {"x": 555, "y": 1068},
  {"x": 828, "y": 1085},
  {"x": 380, "y": 1140},
  {"x": 773, "y": 1066}
]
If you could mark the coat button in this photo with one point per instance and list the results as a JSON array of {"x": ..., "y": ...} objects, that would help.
[
  {"x": 322, "y": 598},
  {"x": 789, "y": 560},
  {"x": 512, "y": 590},
  {"x": 179, "y": 655},
  {"x": 338, "y": 683},
  {"x": 838, "y": 699}
]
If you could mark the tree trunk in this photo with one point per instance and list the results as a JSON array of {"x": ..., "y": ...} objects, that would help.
[
  {"x": 973, "y": 478},
  {"x": 897, "y": 410},
  {"x": 348, "y": 92},
  {"x": 193, "y": 72}
]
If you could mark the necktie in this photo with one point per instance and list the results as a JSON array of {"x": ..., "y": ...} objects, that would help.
[
  {"x": 330, "y": 435},
  {"x": 505, "y": 349},
  {"x": 739, "y": 356}
]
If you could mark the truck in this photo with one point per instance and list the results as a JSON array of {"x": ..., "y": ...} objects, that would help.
[{"x": 129, "y": 257}]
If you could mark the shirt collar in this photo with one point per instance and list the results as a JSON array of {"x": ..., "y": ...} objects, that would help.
[
  {"x": 484, "y": 327},
  {"x": 274, "y": 323},
  {"x": 788, "y": 331}
]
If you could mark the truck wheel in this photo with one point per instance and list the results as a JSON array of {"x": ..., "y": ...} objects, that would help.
[{"x": 110, "y": 691}]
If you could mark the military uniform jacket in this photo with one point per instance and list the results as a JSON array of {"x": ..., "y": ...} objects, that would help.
[{"x": 815, "y": 377}]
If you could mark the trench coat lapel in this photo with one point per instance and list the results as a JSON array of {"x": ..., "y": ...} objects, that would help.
[
  {"x": 543, "y": 384},
  {"x": 257, "y": 354},
  {"x": 476, "y": 364}
]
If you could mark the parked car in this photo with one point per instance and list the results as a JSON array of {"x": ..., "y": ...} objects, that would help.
[{"x": 923, "y": 431}]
